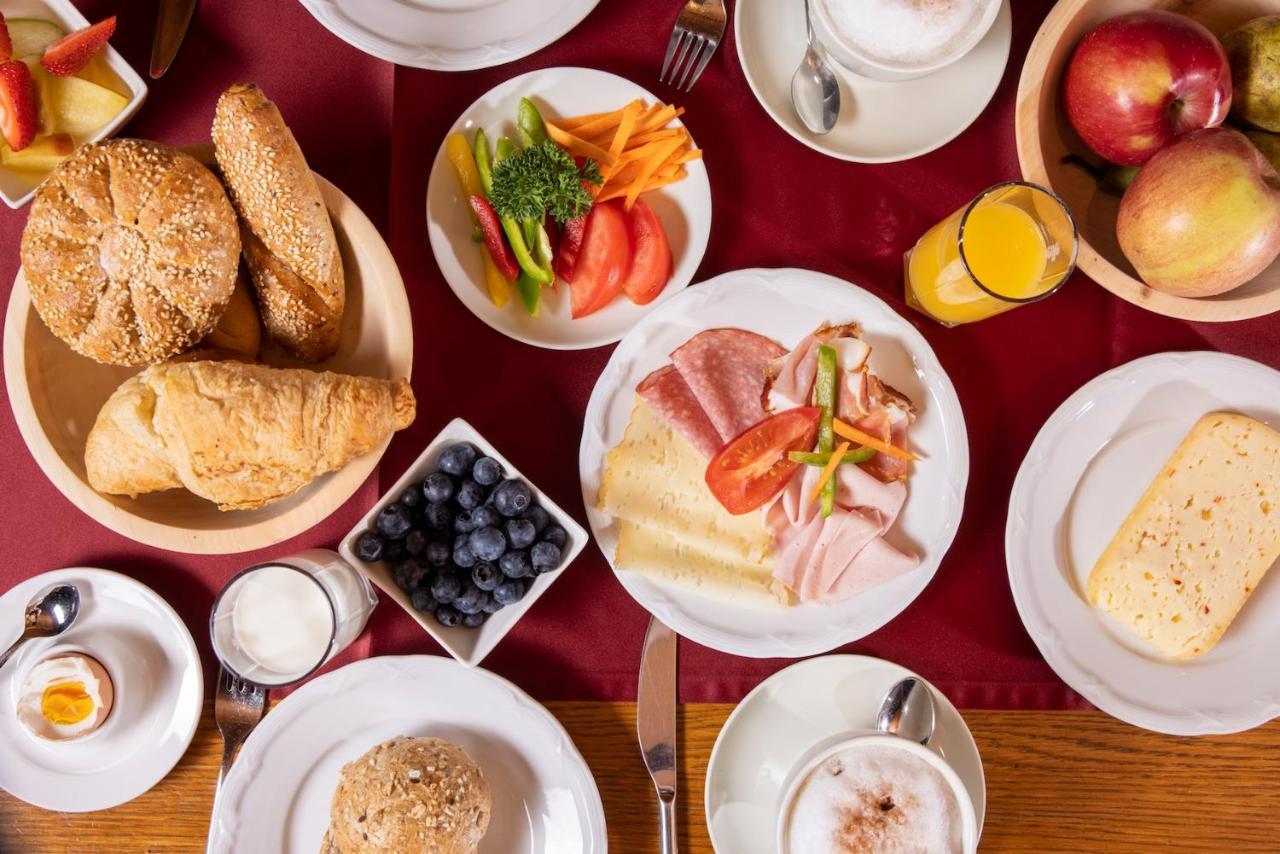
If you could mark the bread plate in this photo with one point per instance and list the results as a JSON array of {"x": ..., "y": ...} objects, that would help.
[
  {"x": 278, "y": 793},
  {"x": 684, "y": 209},
  {"x": 786, "y": 305},
  {"x": 56, "y": 395},
  {"x": 1085, "y": 471}
]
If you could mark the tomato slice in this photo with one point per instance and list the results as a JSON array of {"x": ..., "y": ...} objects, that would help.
[
  {"x": 650, "y": 255},
  {"x": 754, "y": 466},
  {"x": 602, "y": 264}
]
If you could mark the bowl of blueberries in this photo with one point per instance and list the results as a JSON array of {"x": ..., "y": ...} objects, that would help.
[{"x": 464, "y": 543}]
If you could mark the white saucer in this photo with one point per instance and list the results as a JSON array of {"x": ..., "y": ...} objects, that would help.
[
  {"x": 879, "y": 122},
  {"x": 449, "y": 35},
  {"x": 278, "y": 793},
  {"x": 790, "y": 713},
  {"x": 159, "y": 693},
  {"x": 1084, "y": 472},
  {"x": 683, "y": 207}
]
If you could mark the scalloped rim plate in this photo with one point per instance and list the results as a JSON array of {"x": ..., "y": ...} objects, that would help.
[
  {"x": 1086, "y": 469},
  {"x": 784, "y": 305}
]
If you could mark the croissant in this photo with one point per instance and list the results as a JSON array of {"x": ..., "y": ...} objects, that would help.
[{"x": 239, "y": 435}]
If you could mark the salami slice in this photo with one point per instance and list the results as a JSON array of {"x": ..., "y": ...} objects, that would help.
[
  {"x": 670, "y": 396},
  {"x": 725, "y": 369}
]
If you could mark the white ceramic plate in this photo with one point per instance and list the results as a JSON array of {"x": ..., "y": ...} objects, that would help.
[
  {"x": 1087, "y": 468},
  {"x": 159, "y": 694},
  {"x": 792, "y": 712},
  {"x": 277, "y": 795},
  {"x": 470, "y": 646},
  {"x": 786, "y": 305},
  {"x": 879, "y": 122},
  {"x": 449, "y": 35},
  {"x": 684, "y": 208}
]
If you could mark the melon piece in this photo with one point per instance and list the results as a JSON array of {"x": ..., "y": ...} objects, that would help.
[
  {"x": 30, "y": 36},
  {"x": 41, "y": 156}
]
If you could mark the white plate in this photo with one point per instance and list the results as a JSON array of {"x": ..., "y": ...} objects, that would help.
[
  {"x": 277, "y": 795},
  {"x": 786, "y": 305},
  {"x": 159, "y": 694},
  {"x": 1086, "y": 469},
  {"x": 792, "y": 712},
  {"x": 684, "y": 208},
  {"x": 449, "y": 35},
  {"x": 879, "y": 122}
]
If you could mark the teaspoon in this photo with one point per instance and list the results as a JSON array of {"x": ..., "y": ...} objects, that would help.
[
  {"x": 815, "y": 91},
  {"x": 907, "y": 711},
  {"x": 50, "y": 613}
]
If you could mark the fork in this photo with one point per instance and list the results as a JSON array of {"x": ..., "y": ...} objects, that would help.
[
  {"x": 237, "y": 708},
  {"x": 699, "y": 28}
]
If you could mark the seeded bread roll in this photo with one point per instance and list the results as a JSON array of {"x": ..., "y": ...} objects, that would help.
[
  {"x": 288, "y": 239},
  {"x": 412, "y": 796},
  {"x": 130, "y": 251}
]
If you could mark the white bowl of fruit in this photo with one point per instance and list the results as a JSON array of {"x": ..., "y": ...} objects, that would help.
[{"x": 61, "y": 86}]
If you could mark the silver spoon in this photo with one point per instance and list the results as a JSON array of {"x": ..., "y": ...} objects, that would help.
[
  {"x": 907, "y": 711},
  {"x": 50, "y": 613},
  {"x": 815, "y": 91}
]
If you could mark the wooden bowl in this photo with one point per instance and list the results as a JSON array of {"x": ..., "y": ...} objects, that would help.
[
  {"x": 56, "y": 395},
  {"x": 1045, "y": 136}
]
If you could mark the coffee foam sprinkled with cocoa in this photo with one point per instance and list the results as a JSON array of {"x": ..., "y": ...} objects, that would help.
[{"x": 911, "y": 32}]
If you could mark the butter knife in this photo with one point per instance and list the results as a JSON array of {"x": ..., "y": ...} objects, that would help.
[
  {"x": 173, "y": 19},
  {"x": 656, "y": 723}
]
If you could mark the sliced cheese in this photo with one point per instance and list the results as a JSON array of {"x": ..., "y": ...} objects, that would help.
[{"x": 1199, "y": 541}]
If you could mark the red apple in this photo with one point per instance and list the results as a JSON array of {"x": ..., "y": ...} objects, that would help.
[
  {"x": 1203, "y": 216},
  {"x": 1137, "y": 82}
]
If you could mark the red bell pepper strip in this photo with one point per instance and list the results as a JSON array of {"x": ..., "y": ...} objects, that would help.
[
  {"x": 570, "y": 245},
  {"x": 494, "y": 241}
]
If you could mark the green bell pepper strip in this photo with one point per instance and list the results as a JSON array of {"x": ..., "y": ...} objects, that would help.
[
  {"x": 503, "y": 149},
  {"x": 860, "y": 454},
  {"x": 524, "y": 256},
  {"x": 530, "y": 127},
  {"x": 530, "y": 293},
  {"x": 484, "y": 164},
  {"x": 824, "y": 396}
]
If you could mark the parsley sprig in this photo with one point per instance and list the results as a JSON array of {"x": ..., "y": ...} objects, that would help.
[{"x": 540, "y": 179}]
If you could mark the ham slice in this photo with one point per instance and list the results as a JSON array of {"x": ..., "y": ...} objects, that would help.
[
  {"x": 725, "y": 369},
  {"x": 791, "y": 376},
  {"x": 670, "y": 396}
]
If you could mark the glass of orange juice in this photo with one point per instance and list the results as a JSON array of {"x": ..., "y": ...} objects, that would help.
[{"x": 1014, "y": 244}]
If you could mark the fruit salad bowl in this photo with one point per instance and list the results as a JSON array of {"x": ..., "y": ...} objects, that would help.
[
  {"x": 108, "y": 83},
  {"x": 1046, "y": 139}
]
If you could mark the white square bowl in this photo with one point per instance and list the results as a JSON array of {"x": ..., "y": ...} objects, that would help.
[
  {"x": 469, "y": 646},
  {"x": 17, "y": 187}
]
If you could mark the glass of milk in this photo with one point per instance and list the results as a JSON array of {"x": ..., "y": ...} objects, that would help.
[{"x": 277, "y": 623}]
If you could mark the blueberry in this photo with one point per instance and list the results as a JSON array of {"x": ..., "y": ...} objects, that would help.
[
  {"x": 394, "y": 521},
  {"x": 520, "y": 533},
  {"x": 446, "y": 587},
  {"x": 448, "y": 616},
  {"x": 415, "y": 543},
  {"x": 509, "y": 592},
  {"x": 369, "y": 547},
  {"x": 438, "y": 487},
  {"x": 412, "y": 498},
  {"x": 464, "y": 522},
  {"x": 555, "y": 535},
  {"x": 393, "y": 553},
  {"x": 458, "y": 459},
  {"x": 488, "y": 543},
  {"x": 475, "y": 621},
  {"x": 438, "y": 554},
  {"x": 545, "y": 556},
  {"x": 516, "y": 564},
  {"x": 463, "y": 557},
  {"x": 538, "y": 515},
  {"x": 439, "y": 516},
  {"x": 491, "y": 606},
  {"x": 487, "y": 471},
  {"x": 471, "y": 600},
  {"x": 485, "y": 516},
  {"x": 486, "y": 576},
  {"x": 423, "y": 601},
  {"x": 511, "y": 498},
  {"x": 470, "y": 495},
  {"x": 409, "y": 575}
]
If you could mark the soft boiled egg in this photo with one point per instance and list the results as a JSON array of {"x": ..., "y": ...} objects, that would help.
[{"x": 65, "y": 697}]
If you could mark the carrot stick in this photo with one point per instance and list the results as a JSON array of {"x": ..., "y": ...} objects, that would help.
[
  {"x": 581, "y": 147},
  {"x": 829, "y": 470},
  {"x": 856, "y": 435}
]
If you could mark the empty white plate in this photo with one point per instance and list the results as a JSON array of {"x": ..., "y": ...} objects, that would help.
[{"x": 1091, "y": 462}]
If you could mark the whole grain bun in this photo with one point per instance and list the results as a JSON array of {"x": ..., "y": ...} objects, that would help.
[
  {"x": 130, "y": 251},
  {"x": 288, "y": 238},
  {"x": 409, "y": 795},
  {"x": 239, "y": 329}
]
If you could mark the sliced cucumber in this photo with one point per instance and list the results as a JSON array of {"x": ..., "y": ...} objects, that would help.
[{"x": 30, "y": 36}]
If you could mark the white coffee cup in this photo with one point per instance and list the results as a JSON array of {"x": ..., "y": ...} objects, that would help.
[
  {"x": 815, "y": 757},
  {"x": 861, "y": 62}
]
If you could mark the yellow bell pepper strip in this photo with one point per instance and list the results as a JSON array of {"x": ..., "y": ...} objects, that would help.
[
  {"x": 824, "y": 396},
  {"x": 853, "y": 456},
  {"x": 828, "y": 478},
  {"x": 853, "y": 434},
  {"x": 495, "y": 282},
  {"x": 464, "y": 166}
]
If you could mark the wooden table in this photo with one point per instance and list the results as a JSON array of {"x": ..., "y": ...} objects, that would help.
[{"x": 1056, "y": 781}]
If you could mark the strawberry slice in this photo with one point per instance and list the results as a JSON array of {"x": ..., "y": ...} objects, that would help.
[
  {"x": 6, "y": 43},
  {"x": 71, "y": 53},
  {"x": 18, "y": 120}
]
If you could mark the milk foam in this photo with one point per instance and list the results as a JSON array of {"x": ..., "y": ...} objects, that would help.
[
  {"x": 912, "y": 32},
  {"x": 875, "y": 798}
]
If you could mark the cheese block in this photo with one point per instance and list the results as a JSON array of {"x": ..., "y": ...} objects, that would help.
[{"x": 1199, "y": 541}]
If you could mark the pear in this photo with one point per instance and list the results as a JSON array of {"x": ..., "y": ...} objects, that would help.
[{"x": 1254, "y": 53}]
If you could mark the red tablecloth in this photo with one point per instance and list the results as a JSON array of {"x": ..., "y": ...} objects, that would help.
[{"x": 373, "y": 129}]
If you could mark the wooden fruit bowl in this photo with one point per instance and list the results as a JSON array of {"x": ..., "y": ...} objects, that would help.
[
  {"x": 56, "y": 395},
  {"x": 1045, "y": 136}
]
